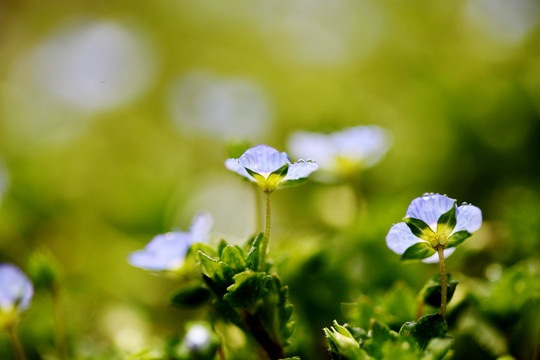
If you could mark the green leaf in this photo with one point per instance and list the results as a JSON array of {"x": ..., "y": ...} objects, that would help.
[
  {"x": 380, "y": 332},
  {"x": 249, "y": 287},
  {"x": 419, "y": 251},
  {"x": 447, "y": 221},
  {"x": 191, "y": 296},
  {"x": 253, "y": 255},
  {"x": 419, "y": 228},
  {"x": 431, "y": 292},
  {"x": 429, "y": 327},
  {"x": 407, "y": 329},
  {"x": 234, "y": 258},
  {"x": 209, "y": 266},
  {"x": 457, "y": 238},
  {"x": 205, "y": 248},
  {"x": 276, "y": 311},
  {"x": 221, "y": 246}
]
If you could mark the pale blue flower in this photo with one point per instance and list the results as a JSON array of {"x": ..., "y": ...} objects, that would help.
[
  {"x": 16, "y": 289},
  {"x": 167, "y": 252},
  {"x": 345, "y": 151},
  {"x": 270, "y": 168},
  {"x": 428, "y": 209}
]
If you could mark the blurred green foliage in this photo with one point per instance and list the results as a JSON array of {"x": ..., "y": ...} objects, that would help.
[{"x": 457, "y": 86}]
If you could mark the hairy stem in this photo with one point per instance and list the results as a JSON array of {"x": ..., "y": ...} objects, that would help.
[
  {"x": 16, "y": 344},
  {"x": 444, "y": 286},
  {"x": 258, "y": 205},
  {"x": 267, "y": 225}
]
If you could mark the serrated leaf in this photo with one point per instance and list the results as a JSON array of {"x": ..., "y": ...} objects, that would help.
[
  {"x": 419, "y": 251},
  {"x": 210, "y": 266},
  {"x": 431, "y": 292},
  {"x": 457, "y": 238},
  {"x": 191, "y": 296},
  {"x": 234, "y": 258},
  {"x": 205, "y": 248},
  {"x": 221, "y": 246},
  {"x": 249, "y": 287},
  {"x": 447, "y": 221},
  {"x": 217, "y": 275},
  {"x": 276, "y": 311},
  {"x": 419, "y": 228},
  {"x": 254, "y": 253}
]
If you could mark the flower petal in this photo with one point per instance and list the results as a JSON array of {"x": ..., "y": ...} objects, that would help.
[
  {"x": 435, "y": 258},
  {"x": 263, "y": 159},
  {"x": 15, "y": 288},
  {"x": 234, "y": 165},
  {"x": 163, "y": 252},
  {"x": 469, "y": 218},
  {"x": 400, "y": 238},
  {"x": 200, "y": 227},
  {"x": 429, "y": 208},
  {"x": 300, "y": 169}
]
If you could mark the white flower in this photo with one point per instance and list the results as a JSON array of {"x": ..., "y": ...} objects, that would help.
[
  {"x": 433, "y": 220},
  {"x": 167, "y": 252},
  {"x": 343, "y": 152},
  {"x": 270, "y": 168}
]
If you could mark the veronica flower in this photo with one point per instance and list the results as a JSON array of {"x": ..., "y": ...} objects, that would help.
[
  {"x": 270, "y": 168},
  {"x": 16, "y": 291},
  {"x": 433, "y": 221},
  {"x": 343, "y": 152},
  {"x": 167, "y": 252},
  {"x": 433, "y": 226}
]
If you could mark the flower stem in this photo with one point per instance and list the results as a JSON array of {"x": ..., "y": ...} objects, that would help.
[
  {"x": 444, "y": 286},
  {"x": 18, "y": 349},
  {"x": 267, "y": 225},
  {"x": 258, "y": 205}
]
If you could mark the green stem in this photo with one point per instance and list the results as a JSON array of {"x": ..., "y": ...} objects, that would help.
[
  {"x": 258, "y": 205},
  {"x": 267, "y": 225},
  {"x": 18, "y": 349},
  {"x": 444, "y": 286},
  {"x": 60, "y": 337}
]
